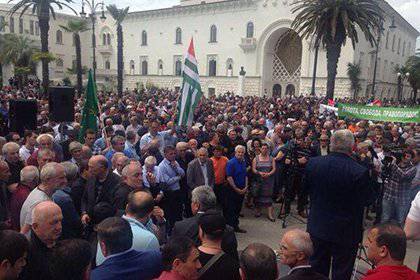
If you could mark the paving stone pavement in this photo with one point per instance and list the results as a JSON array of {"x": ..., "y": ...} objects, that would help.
[{"x": 264, "y": 231}]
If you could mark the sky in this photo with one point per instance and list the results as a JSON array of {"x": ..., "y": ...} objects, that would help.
[{"x": 409, "y": 9}]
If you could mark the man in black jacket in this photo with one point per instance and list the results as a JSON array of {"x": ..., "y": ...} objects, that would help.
[
  {"x": 46, "y": 229},
  {"x": 204, "y": 199},
  {"x": 339, "y": 189},
  {"x": 100, "y": 188}
]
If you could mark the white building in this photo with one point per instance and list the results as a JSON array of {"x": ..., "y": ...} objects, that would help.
[
  {"x": 254, "y": 34},
  {"x": 228, "y": 35},
  {"x": 60, "y": 42}
]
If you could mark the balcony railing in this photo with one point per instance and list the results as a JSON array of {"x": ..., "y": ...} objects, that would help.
[
  {"x": 248, "y": 44},
  {"x": 105, "y": 49}
]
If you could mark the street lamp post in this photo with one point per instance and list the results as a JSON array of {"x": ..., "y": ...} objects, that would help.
[
  {"x": 315, "y": 66},
  {"x": 401, "y": 77},
  {"x": 93, "y": 10}
]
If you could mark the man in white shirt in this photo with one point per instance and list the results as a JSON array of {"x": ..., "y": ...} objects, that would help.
[{"x": 29, "y": 147}]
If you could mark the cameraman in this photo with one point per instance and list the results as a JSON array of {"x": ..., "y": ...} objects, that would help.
[
  {"x": 295, "y": 158},
  {"x": 397, "y": 189}
]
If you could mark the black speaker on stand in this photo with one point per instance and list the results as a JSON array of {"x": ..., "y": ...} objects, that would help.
[
  {"x": 22, "y": 115},
  {"x": 61, "y": 104}
]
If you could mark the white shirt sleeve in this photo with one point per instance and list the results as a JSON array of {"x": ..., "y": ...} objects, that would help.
[{"x": 414, "y": 213}]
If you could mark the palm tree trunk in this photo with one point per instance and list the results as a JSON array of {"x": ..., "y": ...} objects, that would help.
[
  {"x": 44, "y": 28},
  {"x": 333, "y": 54},
  {"x": 120, "y": 59},
  {"x": 78, "y": 64},
  {"x": 415, "y": 94}
]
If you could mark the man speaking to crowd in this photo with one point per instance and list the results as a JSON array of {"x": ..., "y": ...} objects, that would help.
[{"x": 339, "y": 189}]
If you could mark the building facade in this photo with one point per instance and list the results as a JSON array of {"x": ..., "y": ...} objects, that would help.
[
  {"x": 60, "y": 42},
  {"x": 229, "y": 35}
]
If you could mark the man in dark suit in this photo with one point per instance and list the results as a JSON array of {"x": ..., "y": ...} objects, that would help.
[
  {"x": 200, "y": 171},
  {"x": 295, "y": 249},
  {"x": 115, "y": 240},
  {"x": 339, "y": 189},
  {"x": 100, "y": 188},
  {"x": 204, "y": 199}
]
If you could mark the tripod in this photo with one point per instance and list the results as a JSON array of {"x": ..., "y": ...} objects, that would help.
[
  {"x": 361, "y": 257},
  {"x": 283, "y": 216}
]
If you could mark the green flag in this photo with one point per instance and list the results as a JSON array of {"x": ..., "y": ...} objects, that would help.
[
  {"x": 191, "y": 90},
  {"x": 90, "y": 109}
]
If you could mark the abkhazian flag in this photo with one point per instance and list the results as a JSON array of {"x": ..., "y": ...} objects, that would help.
[{"x": 191, "y": 90}]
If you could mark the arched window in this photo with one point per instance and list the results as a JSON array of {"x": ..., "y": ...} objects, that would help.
[
  {"x": 108, "y": 39},
  {"x": 144, "y": 38},
  {"x": 403, "y": 50},
  {"x": 250, "y": 30},
  {"x": 399, "y": 45},
  {"x": 144, "y": 67},
  {"x": 393, "y": 43},
  {"x": 59, "y": 37},
  {"x": 387, "y": 40},
  {"x": 132, "y": 67},
  {"x": 178, "y": 68},
  {"x": 409, "y": 48},
  {"x": 107, "y": 65},
  {"x": 178, "y": 36},
  {"x": 213, "y": 34},
  {"x": 212, "y": 67},
  {"x": 104, "y": 39}
]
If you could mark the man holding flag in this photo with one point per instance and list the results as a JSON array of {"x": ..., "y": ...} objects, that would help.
[
  {"x": 90, "y": 109},
  {"x": 191, "y": 89}
]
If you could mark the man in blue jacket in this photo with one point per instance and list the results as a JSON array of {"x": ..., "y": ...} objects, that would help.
[
  {"x": 123, "y": 263},
  {"x": 339, "y": 189}
]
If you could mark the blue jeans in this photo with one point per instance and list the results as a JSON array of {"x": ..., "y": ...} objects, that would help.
[{"x": 394, "y": 211}]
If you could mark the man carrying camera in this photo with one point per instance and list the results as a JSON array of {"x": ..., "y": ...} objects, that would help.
[
  {"x": 397, "y": 189},
  {"x": 295, "y": 157}
]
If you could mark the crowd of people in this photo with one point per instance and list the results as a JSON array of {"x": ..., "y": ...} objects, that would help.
[{"x": 143, "y": 198}]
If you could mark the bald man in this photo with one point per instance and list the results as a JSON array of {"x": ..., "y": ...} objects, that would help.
[
  {"x": 200, "y": 171},
  {"x": 46, "y": 230},
  {"x": 295, "y": 249},
  {"x": 99, "y": 191},
  {"x": 139, "y": 209}
]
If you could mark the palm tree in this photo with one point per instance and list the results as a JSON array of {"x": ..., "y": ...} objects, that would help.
[
  {"x": 18, "y": 50},
  {"x": 119, "y": 15},
  {"x": 353, "y": 72},
  {"x": 412, "y": 68},
  {"x": 76, "y": 27},
  {"x": 42, "y": 8},
  {"x": 332, "y": 22}
]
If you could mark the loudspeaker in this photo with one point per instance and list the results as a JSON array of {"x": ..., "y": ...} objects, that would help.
[
  {"x": 61, "y": 104},
  {"x": 22, "y": 114}
]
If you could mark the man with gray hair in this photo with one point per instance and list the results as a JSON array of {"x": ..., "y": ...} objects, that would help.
[
  {"x": 202, "y": 200},
  {"x": 52, "y": 178},
  {"x": 200, "y": 171},
  {"x": 29, "y": 177},
  {"x": 295, "y": 250},
  {"x": 72, "y": 226},
  {"x": 10, "y": 152},
  {"x": 339, "y": 188}
]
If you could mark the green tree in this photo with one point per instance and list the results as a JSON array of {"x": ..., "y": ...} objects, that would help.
[
  {"x": 119, "y": 15},
  {"x": 43, "y": 9},
  {"x": 412, "y": 68},
  {"x": 353, "y": 72},
  {"x": 18, "y": 51},
  {"x": 76, "y": 27},
  {"x": 332, "y": 22}
]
